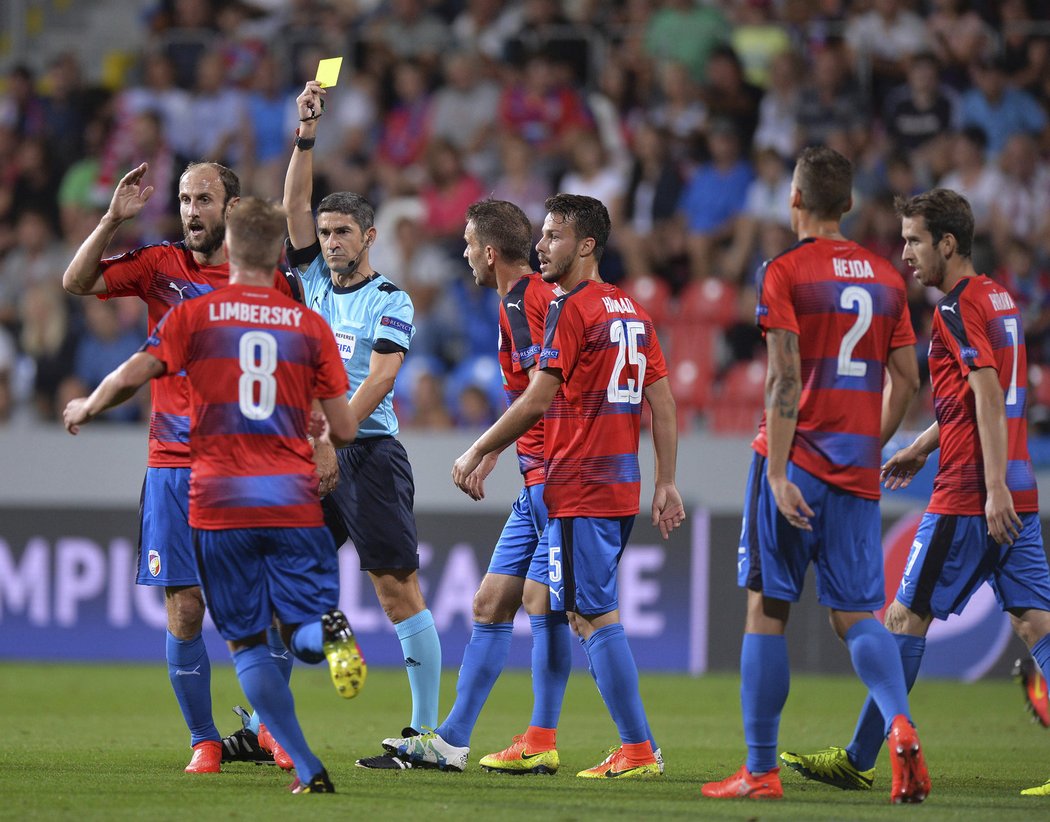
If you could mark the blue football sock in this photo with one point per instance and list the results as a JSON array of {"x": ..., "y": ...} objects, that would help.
[
  {"x": 551, "y": 665},
  {"x": 422, "y": 650},
  {"x": 617, "y": 678},
  {"x": 1041, "y": 653},
  {"x": 483, "y": 660},
  {"x": 263, "y": 683},
  {"x": 877, "y": 661},
  {"x": 870, "y": 732},
  {"x": 590, "y": 670},
  {"x": 189, "y": 670},
  {"x": 279, "y": 653},
  {"x": 765, "y": 677},
  {"x": 308, "y": 642}
]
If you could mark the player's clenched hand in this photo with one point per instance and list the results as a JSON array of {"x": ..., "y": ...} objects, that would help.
[
  {"x": 463, "y": 467},
  {"x": 327, "y": 467},
  {"x": 791, "y": 504},
  {"x": 1004, "y": 526},
  {"x": 668, "y": 510},
  {"x": 900, "y": 469},
  {"x": 75, "y": 415},
  {"x": 129, "y": 196},
  {"x": 476, "y": 481}
]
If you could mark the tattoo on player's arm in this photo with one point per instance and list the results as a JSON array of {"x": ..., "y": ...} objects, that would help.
[{"x": 786, "y": 387}]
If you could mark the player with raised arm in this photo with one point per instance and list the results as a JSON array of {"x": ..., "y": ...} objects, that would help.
[
  {"x": 498, "y": 237},
  {"x": 836, "y": 322},
  {"x": 372, "y": 321},
  {"x": 163, "y": 276},
  {"x": 982, "y": 522},
  {"x": 600, "y": 349},
  {"x": 255, "y": 361}
]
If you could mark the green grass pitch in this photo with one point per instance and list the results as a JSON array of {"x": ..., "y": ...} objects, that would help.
[{"x": 106, "y": 742}]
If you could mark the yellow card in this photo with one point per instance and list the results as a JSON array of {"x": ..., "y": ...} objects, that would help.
[{"x": 328, "y": 71}]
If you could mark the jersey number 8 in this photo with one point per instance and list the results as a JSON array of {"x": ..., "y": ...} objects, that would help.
[{"x": 257, "y": 387}]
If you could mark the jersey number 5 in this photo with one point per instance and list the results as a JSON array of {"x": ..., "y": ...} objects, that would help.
[
  {"x": 257, "y": 387},
  {"x": 626, "y": 334}
]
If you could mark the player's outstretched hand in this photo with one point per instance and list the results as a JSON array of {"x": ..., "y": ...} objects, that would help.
[
  {"x": 1004, "y": 526},
  {"x": 668, "y": 509},
  {"x": 463, "y": 467},
  {"x": 791, "y": 503},
  {"x": 476, "y": 481},
  {"x": 129, "y": 197},
  {"x": 311, "y": 102},
  {"x": 76, "y": 415},
  {"x": 900, "y": 469}
]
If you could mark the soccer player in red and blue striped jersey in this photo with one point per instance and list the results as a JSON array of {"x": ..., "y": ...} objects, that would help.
[
  {"x": 982, "y": 522},
  {"x": 163, "y": 276},
  {"x": 601, "y": 350},
  {"x": 255, "y": 361},
  {"x": 836, "y": 323}
]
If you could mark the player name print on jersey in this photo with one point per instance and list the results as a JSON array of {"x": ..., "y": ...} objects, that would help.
[
  {"x": 853, "y": 269},
  {"x": 621, "y": 305},
  {"x": 1001, "y": 301},
  {"x": 255, "y": 314}
]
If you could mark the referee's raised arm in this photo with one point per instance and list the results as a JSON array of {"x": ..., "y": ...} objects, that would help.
[{"x": 299, "y": 180}]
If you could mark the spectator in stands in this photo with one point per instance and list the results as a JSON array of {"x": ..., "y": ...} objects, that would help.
[
  {"x": 831, "y": 100},
  {"x": 1025, "y": 51},
  {"x": 768, "y": 200},
  {"x": 268, "y": 102},
  {"x": 779, "y": 109},
  {"x": 21, "y": 108},
  {"x": 485, "y": 26},
  {"x": 1028, "y": 282},
  {"x": 37, "y": 257},
  {"x": 219, "y": 113},
  {"x": 729, "y": 96},
  {"x": 757, "y": 38},
  {"x": 519, "y": 181},
  {"x": 405, "y": 131},
  {"x": 972, "y": 176},
  {"x": 464, "y": 113},
  {"x": 186, "y": 31},
  {"x": 956, "y": 35},
  {"x": 884, "y": 38},
  {"x": 156, "y": 92},
  {"x": 48, "y": 337},
  {"x": 686, "y": 32},
  {"x": 1001, "y": 110},
  {"x": 1021, "y": 208},
  {"x": 592, "y": 174},
  {"x": 411, "y": 31},
  {"x": 33, "y": 185},
  {"x": 69, "y": 103},
  {"x": 713, "y": 198},
  {"x": 447, "y": 191},
  {"x": 679, "y": 110},
  {"x": 646, "y": 234},
  {"x": 545, "y": 27},
  {"x": 920, "y": 113}
]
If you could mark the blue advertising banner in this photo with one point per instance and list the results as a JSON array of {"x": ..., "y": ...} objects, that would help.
[{"x": 67, "y": 591}]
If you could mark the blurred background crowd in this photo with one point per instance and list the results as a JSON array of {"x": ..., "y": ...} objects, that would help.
[{"x": 683, "y": 116}]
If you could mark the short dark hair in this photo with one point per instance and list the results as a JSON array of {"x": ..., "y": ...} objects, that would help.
[
  {"x": 354, "y": 205},
  {"x": 503, "y": 226},
  {"x": 256, "y": 229},
  {"x": 231, "y": 183},
  {"x": 589, "y": 216},
  {"x": 825, "y": 180},
  {"x": 945, "y": 212}
]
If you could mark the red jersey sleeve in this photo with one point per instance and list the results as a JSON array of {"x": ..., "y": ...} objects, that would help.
[
  {"x": 563, "y": 338},
  {"x": 775, "y": 306},
  {"x": 169, "y": 341},
  {"x": 129, "y": 274},
  {"x": 656, "y": 366},
  {"x": 903, "y": 333}
]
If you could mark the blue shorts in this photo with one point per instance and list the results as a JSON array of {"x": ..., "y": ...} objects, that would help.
[
  {"x": 952, "y": 555},
  {"x": 584, "y": 555},
  {"x": 250, "y": 574},
  {"x": 165, "y": 543},
  {"x": 845, "y": 545},
  {"x": 521, "y": 550},
  {"x": 372, "y": 504}
]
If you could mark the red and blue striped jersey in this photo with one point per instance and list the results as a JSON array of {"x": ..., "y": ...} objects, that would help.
[
  {"x": 605, "y": 346},
  {"x": 255, "y": 360},
  {"x": 164, "y": 276},
  {"x": 849, "y": 309},
  {"x": 522, "y": 314},
  {"x": 977, "y": 325}
]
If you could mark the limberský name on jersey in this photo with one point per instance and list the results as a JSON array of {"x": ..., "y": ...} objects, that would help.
[
  {"x": 1001, "y": 301},
  {"x": 618, "y": 305},
  {"x": 257, "y": 314},
  {"x": 853, "y": 269}
]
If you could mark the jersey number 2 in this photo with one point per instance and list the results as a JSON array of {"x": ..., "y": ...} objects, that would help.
[
  {"x": 854, "y": 297},
  {"x": 626, "y": 334},
  {"x": 257, "y": 387}
]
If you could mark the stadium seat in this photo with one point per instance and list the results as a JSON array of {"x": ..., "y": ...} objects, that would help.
[
  {"x": 739, "y": 399},
  {"x": 710, "y": 301},
  {"x": 652, "y": 294}
]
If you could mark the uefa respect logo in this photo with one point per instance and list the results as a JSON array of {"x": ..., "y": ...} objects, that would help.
[{"x": 964, "y": 646}]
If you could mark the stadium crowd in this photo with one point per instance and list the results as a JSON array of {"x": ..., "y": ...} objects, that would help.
[{"x": 682, "y": 116}]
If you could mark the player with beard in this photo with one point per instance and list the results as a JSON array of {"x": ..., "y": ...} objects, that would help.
[{"x": 163, "y": 276}]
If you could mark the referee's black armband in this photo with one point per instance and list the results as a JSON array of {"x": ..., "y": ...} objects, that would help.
[
  {"x": 385, "y": 346},
  {"x": 300, "y": 257}
]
